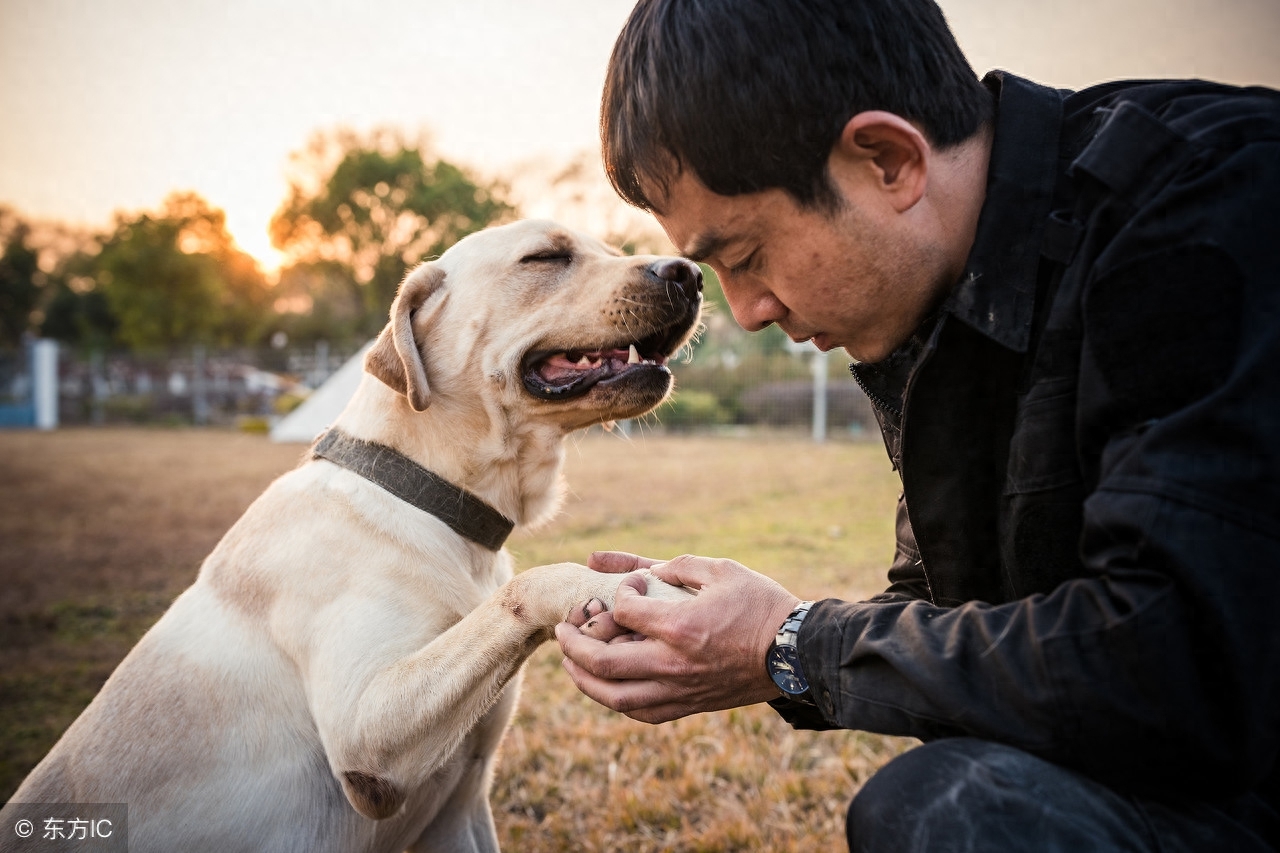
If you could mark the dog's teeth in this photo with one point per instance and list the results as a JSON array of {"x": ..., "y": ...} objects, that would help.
[
  {"x": 634, "y": 357},
  {"x": 584, "y": 362}
]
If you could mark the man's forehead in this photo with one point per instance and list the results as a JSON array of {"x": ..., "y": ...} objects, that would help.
[{"x": 698, "y": 222}]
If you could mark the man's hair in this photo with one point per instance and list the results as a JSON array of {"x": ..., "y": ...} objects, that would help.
[{"x": 753, "y": 94}]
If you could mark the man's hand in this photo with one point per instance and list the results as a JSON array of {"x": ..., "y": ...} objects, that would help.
[{"x": 659, "y": 660}]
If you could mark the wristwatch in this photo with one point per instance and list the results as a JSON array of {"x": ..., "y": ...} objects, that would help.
[{"x": 783, "y": 660}]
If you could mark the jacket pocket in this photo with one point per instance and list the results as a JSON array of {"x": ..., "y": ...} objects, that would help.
[{"x": 1042, "y": 452}]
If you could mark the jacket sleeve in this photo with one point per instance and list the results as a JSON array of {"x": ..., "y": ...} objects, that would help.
[{"x": 1159, "y": 665}]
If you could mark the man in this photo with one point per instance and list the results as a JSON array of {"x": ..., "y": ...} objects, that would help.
[{"x": 1065, "y": 308}]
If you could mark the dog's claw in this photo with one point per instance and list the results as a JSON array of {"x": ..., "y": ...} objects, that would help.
[{"x": 589, "y": 609}]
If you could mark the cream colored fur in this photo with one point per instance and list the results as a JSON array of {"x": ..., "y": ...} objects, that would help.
[{"x": 340, "y": 674}]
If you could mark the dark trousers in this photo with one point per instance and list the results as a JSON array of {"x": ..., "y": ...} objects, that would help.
[{"x": 961, "y": 794}]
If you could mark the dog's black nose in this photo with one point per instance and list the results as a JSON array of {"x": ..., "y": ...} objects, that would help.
[{"x": 684, "y": 274}]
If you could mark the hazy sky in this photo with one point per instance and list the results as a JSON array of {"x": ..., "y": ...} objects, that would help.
[{"x": 111, "y": 104}]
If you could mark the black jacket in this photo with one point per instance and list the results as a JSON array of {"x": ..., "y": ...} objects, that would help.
[{"x": 1088, "y": 436}]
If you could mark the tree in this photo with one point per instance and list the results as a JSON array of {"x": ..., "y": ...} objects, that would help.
[
  {"x": 20, "y": 280},
  {"x": 77, "y": 311},
  {"x": 176, "y": 277},
  {"x": 321, "y": 302},
  {"x": 377, "y": 206},
  {"x": 244, "y": 297}
]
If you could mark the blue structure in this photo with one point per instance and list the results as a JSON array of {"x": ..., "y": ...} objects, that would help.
[{"x": 33, "y": 393}]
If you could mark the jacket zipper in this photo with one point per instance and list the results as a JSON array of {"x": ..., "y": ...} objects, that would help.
[{"x": 876, "y": 400}]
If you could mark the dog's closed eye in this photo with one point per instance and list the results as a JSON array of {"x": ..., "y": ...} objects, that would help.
[{"x": 554, "y": 256}]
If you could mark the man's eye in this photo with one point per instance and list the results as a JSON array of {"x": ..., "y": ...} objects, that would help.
[
  {"x": 744, "y": 265},
  {"x": 554, "y": 256}
]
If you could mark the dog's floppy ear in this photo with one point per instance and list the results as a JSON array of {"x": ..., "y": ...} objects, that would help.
[{"x": 395, "y": 357}]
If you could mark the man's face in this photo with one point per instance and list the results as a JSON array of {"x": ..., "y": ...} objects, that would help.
[{"x": 861, "y": 277}]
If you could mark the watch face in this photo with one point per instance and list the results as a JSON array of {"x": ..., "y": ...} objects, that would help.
[{"x": 784, "y": 669}]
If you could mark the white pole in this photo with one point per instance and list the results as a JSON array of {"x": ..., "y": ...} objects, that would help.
[
  {"x": 819, "y": 396},
  {"x": 199, "y": 391},
  {"x": 44, "y": 357}
]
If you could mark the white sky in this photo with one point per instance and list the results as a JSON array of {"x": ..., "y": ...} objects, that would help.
[{"x": 111, "y": 104}]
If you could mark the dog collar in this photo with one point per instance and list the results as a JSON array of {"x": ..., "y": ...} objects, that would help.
[{"x": 466, "y": 514}]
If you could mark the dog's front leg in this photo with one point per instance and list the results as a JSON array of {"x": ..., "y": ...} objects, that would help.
[
  {"x": 412, "y": 714},
  {"x": 464, "y": 824}
]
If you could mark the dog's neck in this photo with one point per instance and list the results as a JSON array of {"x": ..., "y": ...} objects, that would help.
[{"x": 512, "y": 466}]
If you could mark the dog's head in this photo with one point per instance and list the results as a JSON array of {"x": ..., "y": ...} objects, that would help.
[{"x": 536, "y": 315}]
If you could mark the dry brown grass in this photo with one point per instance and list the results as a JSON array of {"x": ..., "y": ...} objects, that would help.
[{"x": 100, "y": 529}]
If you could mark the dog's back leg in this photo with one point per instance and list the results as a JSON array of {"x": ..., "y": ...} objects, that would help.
[{"x": 462, "y": 827}]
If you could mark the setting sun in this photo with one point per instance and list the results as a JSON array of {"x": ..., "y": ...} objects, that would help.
[{"x": 246, "y": 225}]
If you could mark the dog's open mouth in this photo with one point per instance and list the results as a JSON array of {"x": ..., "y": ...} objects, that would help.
[{"x": 559, "y": 374}]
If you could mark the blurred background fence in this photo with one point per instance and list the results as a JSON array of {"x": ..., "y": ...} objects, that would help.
[
  {"x": 250, "y": 388},
  {"x": 796, "y": 388},
  {"x": 243, "y": 387}
]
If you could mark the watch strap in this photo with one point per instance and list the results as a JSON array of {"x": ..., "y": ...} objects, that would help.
[
  {"x": 787, "y": 636},
  {"x": 790, "y": 629}
]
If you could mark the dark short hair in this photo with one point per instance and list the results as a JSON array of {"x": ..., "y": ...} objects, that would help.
[{"x": 753, "y": 94}]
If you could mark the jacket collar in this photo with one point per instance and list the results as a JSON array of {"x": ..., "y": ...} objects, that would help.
[{"x": 996, "y": 293}]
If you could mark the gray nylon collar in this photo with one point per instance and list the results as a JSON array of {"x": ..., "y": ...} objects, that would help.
[{"x": 465, "y": 513}]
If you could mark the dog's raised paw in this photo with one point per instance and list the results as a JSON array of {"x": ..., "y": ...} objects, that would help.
[{"x": 656, "y": 587}]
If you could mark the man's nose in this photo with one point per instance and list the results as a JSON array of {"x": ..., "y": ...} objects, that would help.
[
  {"x": 682, "y": 273},
  {"x": 753, "y": 307}
]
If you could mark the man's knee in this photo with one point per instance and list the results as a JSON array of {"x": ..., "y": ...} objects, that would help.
[
  {"x": 962, "y": 794},
  {"x": 898, "y": 808}
]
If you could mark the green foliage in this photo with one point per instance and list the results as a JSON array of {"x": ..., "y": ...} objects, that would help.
[
  {"x": 20, "y": 283},
  {"x": 374, "y": 207},
  {"x": 160, "y": 295},
  {"x": 326, "y": 304},
  {"x": 253, "y": 425},
  {"x": 243, "y": 296},
  {"x": 77, "y": 311},
  {"x": 693, "y": 408},
  {"x": 287, "y": 402},
  {"x": 156, "y": 281},
  {"x": 175, "y": 278}
]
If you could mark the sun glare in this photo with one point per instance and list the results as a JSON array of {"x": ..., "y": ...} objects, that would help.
[
  {"x": 251, "y": 236},
  {"x": 263, "y": 252}
]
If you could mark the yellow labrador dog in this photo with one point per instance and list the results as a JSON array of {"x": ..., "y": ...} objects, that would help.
[{"x": 340, "y": 674}]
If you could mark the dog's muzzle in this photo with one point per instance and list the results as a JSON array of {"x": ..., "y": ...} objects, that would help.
[{"x": 668, "y": 311}]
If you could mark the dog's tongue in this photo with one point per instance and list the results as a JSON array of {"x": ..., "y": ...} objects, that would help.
[
  {"x": 559, "y": 368},
  {"x": 563, "y": 367}
]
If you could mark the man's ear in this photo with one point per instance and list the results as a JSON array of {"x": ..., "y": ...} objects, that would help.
[
  {"x": 395, "y": 357},
  {"x": 887, "y": 153}
]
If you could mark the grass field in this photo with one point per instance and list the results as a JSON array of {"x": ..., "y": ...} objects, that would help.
[{"x": 100, "y": 529}]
